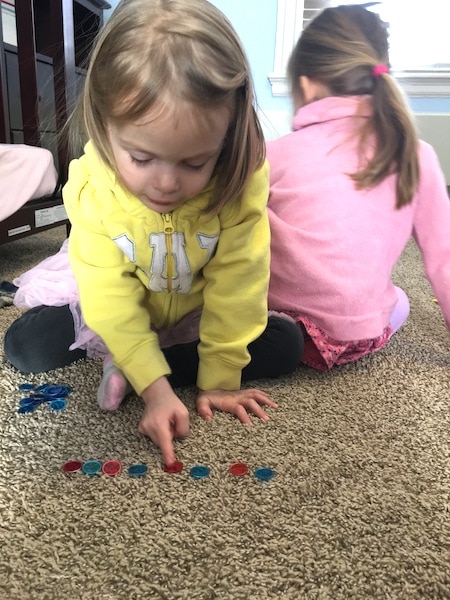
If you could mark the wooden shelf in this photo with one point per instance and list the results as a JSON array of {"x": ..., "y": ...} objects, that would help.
[
  {"x": 39, "y": 82},
  {"x": 34, "y": 216}
]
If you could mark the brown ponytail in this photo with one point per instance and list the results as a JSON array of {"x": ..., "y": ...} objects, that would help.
[{"x": 340, "y": 48}]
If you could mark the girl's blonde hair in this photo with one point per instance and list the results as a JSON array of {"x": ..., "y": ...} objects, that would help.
[
  {"x": 174, "y": 51},
  {"x": 340, "y": 49}
]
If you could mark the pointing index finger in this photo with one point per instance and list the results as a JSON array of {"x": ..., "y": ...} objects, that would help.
[{"x": 166, "y": 447}]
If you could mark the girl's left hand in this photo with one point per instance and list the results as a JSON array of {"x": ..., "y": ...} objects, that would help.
[{"x": 239, "y": 403}]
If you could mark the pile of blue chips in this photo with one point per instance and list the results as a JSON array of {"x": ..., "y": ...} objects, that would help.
[{"x": 54, "y": 396}]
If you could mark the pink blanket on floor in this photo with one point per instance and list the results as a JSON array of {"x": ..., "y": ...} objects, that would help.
[{"x": 26, "y": 173}]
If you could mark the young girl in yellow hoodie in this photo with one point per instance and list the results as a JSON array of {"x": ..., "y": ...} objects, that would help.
[{"x": 169, "y": 225}]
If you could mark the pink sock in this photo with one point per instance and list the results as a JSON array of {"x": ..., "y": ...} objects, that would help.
[
  {"x": 113, "y": 387},
  {"x": 401, "y": 310}
]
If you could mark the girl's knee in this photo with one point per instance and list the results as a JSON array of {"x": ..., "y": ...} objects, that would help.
[{"x": 39, "y": 340}]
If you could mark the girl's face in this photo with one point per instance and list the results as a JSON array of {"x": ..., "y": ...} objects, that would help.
[{"x": 165, "y": 158}]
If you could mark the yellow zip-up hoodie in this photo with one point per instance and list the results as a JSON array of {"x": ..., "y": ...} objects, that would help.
[{"x": 136, "y": 268}]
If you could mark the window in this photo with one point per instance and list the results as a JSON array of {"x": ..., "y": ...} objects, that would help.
[
  {"x": 419, "y": 48},
  {"x": 8, "y": 21}
]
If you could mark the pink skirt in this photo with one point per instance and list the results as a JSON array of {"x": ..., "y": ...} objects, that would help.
[{"x": 322, "y": 352}]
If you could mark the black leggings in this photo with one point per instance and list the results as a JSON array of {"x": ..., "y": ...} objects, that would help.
[{"x": 39, "y": 341}]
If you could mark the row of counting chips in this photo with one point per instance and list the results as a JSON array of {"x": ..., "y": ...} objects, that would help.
[
  {"x": 111, "y": 468},
  {"x": 241, "y": 469},
  {"x": 237, "y": 469},
  {"x": 196, "y": 472}
]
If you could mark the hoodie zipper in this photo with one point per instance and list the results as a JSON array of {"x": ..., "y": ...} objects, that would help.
[{"x": 168, "y": 230}]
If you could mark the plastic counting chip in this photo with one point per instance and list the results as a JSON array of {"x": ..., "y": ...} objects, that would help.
[
  {"x": 137, "y": 470},
  {"x": 199, "y": 472},
  {"x": 175, "y": 467},
  {"x": 92, "y": 467},
  {"x": 72, "y": 467},
  {"x": 238, "y": 469},
  {"x": 58, "y": 404},
  {"x": 264, "y": 474},
  {"x": 111, "y": 468}
]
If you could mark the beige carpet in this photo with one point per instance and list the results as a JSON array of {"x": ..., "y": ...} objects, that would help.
[{"x": 359, "y": 506}]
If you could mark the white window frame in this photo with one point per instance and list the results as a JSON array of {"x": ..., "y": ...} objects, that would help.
[{"x": 421, "y": 83}]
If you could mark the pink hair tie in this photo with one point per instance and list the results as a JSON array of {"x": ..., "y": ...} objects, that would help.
[{"x": 379, "y": 70}]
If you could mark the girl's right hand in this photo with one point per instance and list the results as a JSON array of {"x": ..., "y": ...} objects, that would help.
[{"x": 164, "y": 418}]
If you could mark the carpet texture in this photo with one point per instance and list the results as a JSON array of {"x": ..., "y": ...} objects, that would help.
[{"x": 358, "y": 508}]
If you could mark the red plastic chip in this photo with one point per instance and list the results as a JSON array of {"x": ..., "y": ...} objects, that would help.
[
  {"x": 239, "y": 469},
  {"x": 111, "y": 468},
  {"x": 175, "y": 467},
  {"x": 72, "y": 467}
]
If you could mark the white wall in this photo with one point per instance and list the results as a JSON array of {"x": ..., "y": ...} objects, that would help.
[
  {"x": 433, "y": 114},
  {"x": 435, "y": 129}
]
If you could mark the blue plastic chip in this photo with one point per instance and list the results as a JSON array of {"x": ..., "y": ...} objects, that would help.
[
  {"x": 26, "y": 386},
  {"x": 29, "y": 401},
  {"x": 41, "y": 388},
  {"x": 57, "y": 391},
  {"x": 137, "y": 470},
  {"x": 28, "y": 408},
  {"x": 92, "y": 467},
  {"x": 264, "y": 473},
  {"x": 58, "y": 404},
  {"x": 199, "y": 472}
]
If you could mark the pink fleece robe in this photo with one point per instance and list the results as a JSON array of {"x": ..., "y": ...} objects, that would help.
[{"x": 334, "y": 247}]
